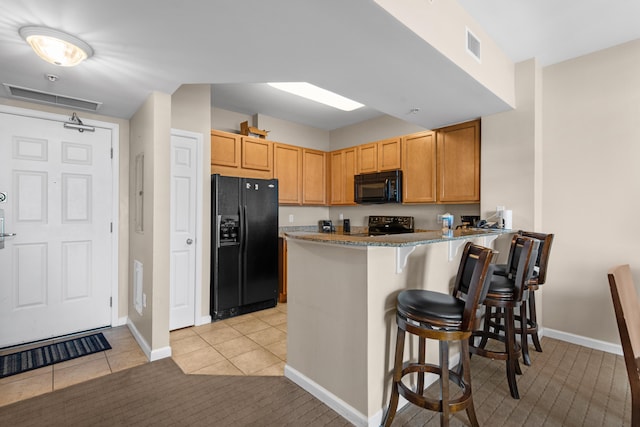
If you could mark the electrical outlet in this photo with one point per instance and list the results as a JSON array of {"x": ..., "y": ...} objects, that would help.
[
  {"x": 499, "y": 208},
  {"x": 144, "y": 300},
  {"x": 291, "y": 218},
  {"x": 341, "y": 216}
]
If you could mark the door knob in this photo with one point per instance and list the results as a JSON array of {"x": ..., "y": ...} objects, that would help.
[{"x": 189, "y": 241}]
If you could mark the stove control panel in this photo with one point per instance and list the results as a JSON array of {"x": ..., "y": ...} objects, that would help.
[{"x": 391, "y": 224}]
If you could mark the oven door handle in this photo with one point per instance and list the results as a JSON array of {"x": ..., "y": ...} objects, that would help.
[{"x": 387, "y": 189}]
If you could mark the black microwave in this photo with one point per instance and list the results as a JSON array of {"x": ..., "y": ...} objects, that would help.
[{"x": 379, "y": 187}]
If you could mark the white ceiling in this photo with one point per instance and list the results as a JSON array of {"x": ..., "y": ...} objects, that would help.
[{"x": 353, "y": 48}]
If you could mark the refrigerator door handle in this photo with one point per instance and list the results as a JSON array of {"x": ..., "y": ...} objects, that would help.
[
  {"x": 217, "y": 231},
  {"x": 245, "y": 227}
]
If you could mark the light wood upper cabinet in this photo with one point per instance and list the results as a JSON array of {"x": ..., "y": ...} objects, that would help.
[
  {"x": 237, "y": 155},
  {"x": 287, "y": 168},
  {"x": 389, "y": 154},
  {"x": 367, "y": 157},
  {"x": 225, "y": 149},
  {"x": 379, "y": 156},
  {"x": 257, "y": 154},
  {"x": 314, "y": 177},
  {"x": 419, "y": 172},
  {"x": 342, "y": 166},
  {"x": 458, "y": 163}
]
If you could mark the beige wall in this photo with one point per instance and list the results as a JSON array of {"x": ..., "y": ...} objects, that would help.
[
  {"x": 591, "y": 185},
  {"x": 123, "y": 179},
  {"x": 371, "y": 130},
  {"x": 443, "y": 25},
  {"x": 293, "y": 133},
  {"x": 508, "y": 152},
  {"x": 190, "y": 110},
  {"x": 150, "y": 134}
]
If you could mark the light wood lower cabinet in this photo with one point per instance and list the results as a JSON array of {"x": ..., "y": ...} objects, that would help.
[
  {"x": 419, "y": 171},
  {"x": 458, "y": 163},
  {"x": 314, "y": 177},
  {"x": 287, "y": 169}
]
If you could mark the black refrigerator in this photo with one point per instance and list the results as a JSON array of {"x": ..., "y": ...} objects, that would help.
[{"x": 244, "y": 245}]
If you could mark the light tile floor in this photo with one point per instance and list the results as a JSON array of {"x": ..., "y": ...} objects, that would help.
[{"x": 251, "y": 344}]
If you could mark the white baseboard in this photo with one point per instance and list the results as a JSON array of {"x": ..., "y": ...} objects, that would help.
[
  {"x": 203, "y": 320},
  {"x": 160, "y": 353},
  {"x": 344, "y": 409},
  {"x": 325, "y": 396},
  {"x": 583, "y": 341},
  {"x": 152, "y": 355}
]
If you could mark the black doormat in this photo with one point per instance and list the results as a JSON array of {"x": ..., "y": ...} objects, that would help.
[{"x": 35, "y": 358}]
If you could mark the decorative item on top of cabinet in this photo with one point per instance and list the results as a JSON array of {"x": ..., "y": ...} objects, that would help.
[
  {"x": 419, "y": 171},
  {"x": 247, "y": 130},
  {"x": 314, "y": 177},
  {"x": 379, "y": 156},
  {"x": 458, "y": 164},
  {"x": 342, "y": 166},
  {"x": 287, "y": 169}
]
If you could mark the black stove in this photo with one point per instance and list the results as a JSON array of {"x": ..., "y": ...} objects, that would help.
[{"x": 381, "y": 225}]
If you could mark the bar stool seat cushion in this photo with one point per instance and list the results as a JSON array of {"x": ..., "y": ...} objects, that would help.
[
  {"x": 501, "y": 285},
  {"x": 423, "y": 304}
]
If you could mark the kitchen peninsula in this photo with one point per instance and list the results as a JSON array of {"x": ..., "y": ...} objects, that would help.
[{"x": 341, "y": 308}]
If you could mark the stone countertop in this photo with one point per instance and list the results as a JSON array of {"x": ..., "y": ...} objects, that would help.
[{"x": 420, "y": 237}]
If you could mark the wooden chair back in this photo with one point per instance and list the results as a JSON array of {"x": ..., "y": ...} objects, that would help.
[
  {"x": 543, "y": 254},
  {"x": 522, "y": 258},
  {"x": 472, "y": 280},
  {"x": 627, "y": 308}
]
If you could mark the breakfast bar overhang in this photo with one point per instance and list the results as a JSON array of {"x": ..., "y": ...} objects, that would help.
[{"x": 341, "y": 308}]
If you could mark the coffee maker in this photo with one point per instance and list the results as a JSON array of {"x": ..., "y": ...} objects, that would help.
[{"x": 468, "y": 221}]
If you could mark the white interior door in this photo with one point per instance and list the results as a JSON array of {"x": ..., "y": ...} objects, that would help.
[
  {"x": 56, "y": 272},
  {"x": 183, "y": 230}
]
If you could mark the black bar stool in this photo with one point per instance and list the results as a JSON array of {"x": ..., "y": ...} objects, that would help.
[
  {"x": 506, "y": 293},
  {"x": 538, "y": 279},
  {"x": 444, "y": 318}
]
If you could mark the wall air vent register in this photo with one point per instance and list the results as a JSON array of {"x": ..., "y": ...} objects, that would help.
[{"x": 51, "y": 98}]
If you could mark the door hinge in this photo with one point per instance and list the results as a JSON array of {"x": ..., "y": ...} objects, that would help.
[
  {"x": 110, "y": 301},
  {"x": 112, "y": 153},
  {"x": 111, "y": 227}
]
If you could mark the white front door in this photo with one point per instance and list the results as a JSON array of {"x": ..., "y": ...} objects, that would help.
[
  {"x": 55, "y": 274},
  {"x": 183, "y": 230}
]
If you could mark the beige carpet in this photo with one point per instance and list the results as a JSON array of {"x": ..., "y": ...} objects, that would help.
[{"x": 567, "y": 385}]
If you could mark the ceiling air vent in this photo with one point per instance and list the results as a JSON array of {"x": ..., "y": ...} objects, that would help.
[
  {"x": 473, "y": 45},
  {"x": 51, "y": 98}
]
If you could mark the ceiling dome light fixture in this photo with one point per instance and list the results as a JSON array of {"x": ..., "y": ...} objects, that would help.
[{"x": 56, "y": 47}]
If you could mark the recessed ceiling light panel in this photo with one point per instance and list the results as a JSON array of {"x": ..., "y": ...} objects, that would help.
[
  {"x": 56, "y": 47},
  {"x": 317, "y": 94}
]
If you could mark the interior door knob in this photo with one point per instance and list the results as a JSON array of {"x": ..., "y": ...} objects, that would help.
[{"x": 189, "y": 241}]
